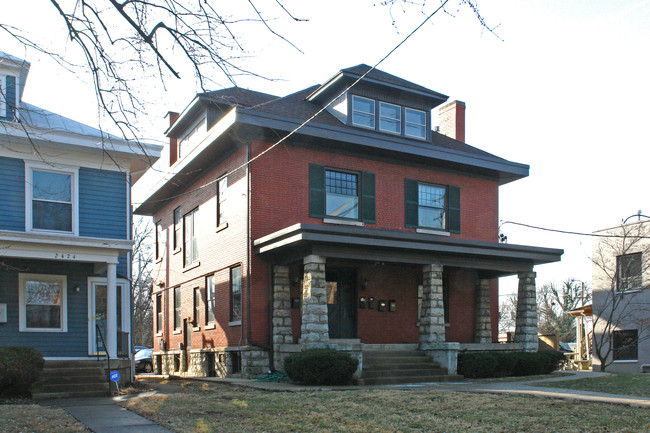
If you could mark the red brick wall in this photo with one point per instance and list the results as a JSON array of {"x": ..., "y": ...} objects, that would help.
[
  {"x": 280, "y": 184},
  {"x": 218, "y": 252}
]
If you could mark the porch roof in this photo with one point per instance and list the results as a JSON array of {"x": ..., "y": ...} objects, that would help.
[{"x": 492, "y": 259}]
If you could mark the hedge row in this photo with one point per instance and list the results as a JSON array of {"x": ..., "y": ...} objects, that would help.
[
  {"x": 498, "y": 364},
  {"x": 20, "y": 367},
  {"x": 320, "y": 367}
]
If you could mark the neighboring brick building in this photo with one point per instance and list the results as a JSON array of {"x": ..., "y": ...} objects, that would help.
[{"x": 363, "y": 228}]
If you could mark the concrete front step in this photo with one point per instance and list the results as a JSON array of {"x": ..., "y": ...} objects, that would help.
[
  {"x": 409, "y": 379},
  {"x": 393, "y": 353},
  {"x": 81, "y": 371},
  {"x": 72, "y": 363},
  {"x": 400, "y": 366},
  {"x": 78, "y": 394},
  {"x": 404, "y": 373},
  {"x": 396, "y": 360}
]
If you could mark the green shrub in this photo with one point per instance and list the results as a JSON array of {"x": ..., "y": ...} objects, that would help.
[
  {"x": 320, "y": 367},
  {"x": 478, "y": 365},
  {"x": 20, "y": 367}
]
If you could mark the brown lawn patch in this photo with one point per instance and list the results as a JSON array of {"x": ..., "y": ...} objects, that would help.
[{"x": 34, "y": 418}]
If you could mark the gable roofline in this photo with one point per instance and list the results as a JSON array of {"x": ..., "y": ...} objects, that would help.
[{"x": 377, "y": 77}]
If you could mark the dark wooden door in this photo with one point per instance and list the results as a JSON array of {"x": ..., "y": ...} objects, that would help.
[{"x": 341, "y": 305}]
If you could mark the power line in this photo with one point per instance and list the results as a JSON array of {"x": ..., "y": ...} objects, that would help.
[
  {"x": 299, "y": 127},
  {"x": 568, "y": 232}
]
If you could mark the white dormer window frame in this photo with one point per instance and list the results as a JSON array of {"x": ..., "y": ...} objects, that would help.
[
  {"x": 189, "y": 140},
  {"x": 359, "y": 113},
  {"x": 32, "y": 168},
  {"x": 4, "y": 107},
  {"x": 407, "y": 123},
  {"x": 390, "y": 115}
]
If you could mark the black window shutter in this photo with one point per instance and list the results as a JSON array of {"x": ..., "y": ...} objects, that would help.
[
  {"x": 316, "y": 190},
  {"x": 454, "y": 209},
  {"x": 368, "y": 197},
  {"x": 411, "y": 202}
]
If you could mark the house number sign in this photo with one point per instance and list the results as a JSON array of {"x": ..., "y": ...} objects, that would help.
[{"x": 64, "y": 256}]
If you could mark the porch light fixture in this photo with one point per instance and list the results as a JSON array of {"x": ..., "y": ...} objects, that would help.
[
  {"x": 76, "y": 288},
  {"x": 364, "y": 284}
]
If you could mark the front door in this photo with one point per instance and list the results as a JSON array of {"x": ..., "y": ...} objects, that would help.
[
  {"x": 341, "y": 305},
  {"x": 97, "y": 311}
]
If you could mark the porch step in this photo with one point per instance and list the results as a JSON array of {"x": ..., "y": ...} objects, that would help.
[
  {"x": 401, "y": 367},
  {"x": 66, "y": 379}
]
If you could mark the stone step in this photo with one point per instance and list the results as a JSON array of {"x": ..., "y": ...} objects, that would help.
[
  {"x": 81, "y": 371},
  {"x": 396, "y": 360},
  {"x": 392, "y": 380},
  {"x": 96, "y": 378},
  {"x": 75, "y": 363},
  {"x": 392, "y": 353},
  {"x": 77, "y": 394},
  {"x": 397, "y": 366},
  {"x": 72, "y": 387},
  {"x": 424, "y": 372}
]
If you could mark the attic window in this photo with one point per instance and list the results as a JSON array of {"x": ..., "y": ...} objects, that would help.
[
  {"x": 390, "y": 118},
  {"x": 363, "y": 112},
  {"x": 191, "y": 139},
  {"x": 415, "y": 124},
  {"x": 7, "y": 96}
]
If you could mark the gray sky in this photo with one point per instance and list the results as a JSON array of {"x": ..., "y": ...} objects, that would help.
[{"x": 564, "y": 91}]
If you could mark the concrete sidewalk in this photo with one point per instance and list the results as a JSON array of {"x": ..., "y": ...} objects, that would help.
[{"x": 103, "y": 415}]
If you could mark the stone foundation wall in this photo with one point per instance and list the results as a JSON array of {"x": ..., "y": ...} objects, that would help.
[{"x": 254, "y": 362}]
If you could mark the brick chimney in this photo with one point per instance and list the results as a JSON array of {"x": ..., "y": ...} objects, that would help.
[
  {"x": 173, "y": 142},
  {"x": 452, "y": 120}
]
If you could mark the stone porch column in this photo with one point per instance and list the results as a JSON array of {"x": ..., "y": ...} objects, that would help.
[
  {"x": 432, "y": 320},
  {"x": 282, "y": 332},
  {"x": 314, "y": 331},
  {"x": 526, "y": 323},
  {"x": 111, "y": 309},
  {"x": 483, "y": 324}
]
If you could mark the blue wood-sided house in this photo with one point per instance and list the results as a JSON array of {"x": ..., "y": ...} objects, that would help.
[{"x": 65, "y": 228}]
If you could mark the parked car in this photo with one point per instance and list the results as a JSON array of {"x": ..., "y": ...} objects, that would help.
[
  {"x": 143, "y": 361},
  {"x": 139, "y": 348}
]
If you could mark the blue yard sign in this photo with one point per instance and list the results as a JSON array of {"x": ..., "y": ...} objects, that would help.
[{"x": 115, "y": 377}]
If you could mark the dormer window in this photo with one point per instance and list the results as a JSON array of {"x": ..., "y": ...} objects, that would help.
[
  {"x": 415, "y": 124},
  {"x": 7, "y": 96},
  {"x": 390, "y": 118},
  {"x": 386, "y": 117},
  {"x": 363, "y": 112}
]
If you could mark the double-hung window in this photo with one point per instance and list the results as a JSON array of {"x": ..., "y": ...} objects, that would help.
[
  {"x": 177, "y": 308},
  {"x": 51, "y": 200},
  {"x": 341, "y": 194},
  {"x": 626, "y": 345},
  {"x": 363, "y": 112},
  {"x": 159, "y": 313},
  {"x": 210, "y": 301},
  {"x": 235, "y": 294},
  {"x": 42, "y": 303},
  {"x": 222, "y": 188},
  {"x": 628, "y": 271},
  {"x": 415, "y": 124},
  {"x": 390, "y": 118},
  {"x": 197, "y": 305},
  {"x": 433, "y": 207},
  {"x": 177, "y": 229},
  {"x": 190, "y": 241},
  {"x": 159, "y": 240}
]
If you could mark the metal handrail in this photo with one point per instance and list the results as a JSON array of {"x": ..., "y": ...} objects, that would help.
[{"x": 108, "y": 356}]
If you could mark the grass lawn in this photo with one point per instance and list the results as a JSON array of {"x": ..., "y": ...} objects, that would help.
[
  {"x": 615, "y": 383},
  {"x": 224, "y": 408},
  {"x": 29, "y": 417}
]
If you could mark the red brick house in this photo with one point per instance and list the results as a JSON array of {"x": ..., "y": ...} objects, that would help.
[{"x": 364, "y": 230}]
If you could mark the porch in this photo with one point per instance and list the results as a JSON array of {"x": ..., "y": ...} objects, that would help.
[{"x": 353, "y": 288}]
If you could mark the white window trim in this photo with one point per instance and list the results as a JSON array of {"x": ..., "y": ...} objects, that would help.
[
  {"x": 399, "y": 119},
  {"x": 74, "y": 194},
  {"x": 126, "y": 306},
  {"x": 374, "y": 127},
  {"x": 406, "y": 122},
  {"x": 22, "y": 311}
]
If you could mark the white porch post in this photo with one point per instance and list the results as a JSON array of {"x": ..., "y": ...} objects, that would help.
[{"x": 111, "y": 310}]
